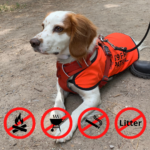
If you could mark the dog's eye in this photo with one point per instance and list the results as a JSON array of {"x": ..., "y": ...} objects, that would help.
[{"x": 58, "y": 29}]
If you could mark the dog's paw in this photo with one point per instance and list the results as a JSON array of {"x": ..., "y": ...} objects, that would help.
[
  {"x": 66, "y": 138},
  {"x": 64, "y": 127}
]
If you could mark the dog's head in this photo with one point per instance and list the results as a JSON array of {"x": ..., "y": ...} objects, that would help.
[{"x": 62, "y": 31}]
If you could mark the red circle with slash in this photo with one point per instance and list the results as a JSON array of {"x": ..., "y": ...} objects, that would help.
[
  {"x": 138, "y": 117},
  {"x": 24, "y": 119},
  {"x": 51, "y": 126},
  {"x": 89, "y": 125}
]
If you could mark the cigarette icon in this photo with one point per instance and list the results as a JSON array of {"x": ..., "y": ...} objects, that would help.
[{"x": 92, "y": 124}]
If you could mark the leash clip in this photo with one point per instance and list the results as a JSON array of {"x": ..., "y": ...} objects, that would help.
[{"x": 101, "y": 37}]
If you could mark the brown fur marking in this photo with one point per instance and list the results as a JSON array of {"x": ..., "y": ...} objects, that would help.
[
  {"x": 41, "y": 40},
  {"x": 82, "y": 32}
]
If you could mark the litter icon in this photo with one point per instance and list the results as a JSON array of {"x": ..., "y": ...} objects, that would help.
[{"x": 56, "y": 121}]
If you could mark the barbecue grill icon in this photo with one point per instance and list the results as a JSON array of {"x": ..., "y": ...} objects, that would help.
[{"x": 56, "y": 121}]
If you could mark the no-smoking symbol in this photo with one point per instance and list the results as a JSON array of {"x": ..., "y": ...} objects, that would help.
[
  {"x": 56, "y": 122},
  {"x": 18, "y": 121},
  {"x": 82, "y": 130},
  {"x": 133, "y": 121}
]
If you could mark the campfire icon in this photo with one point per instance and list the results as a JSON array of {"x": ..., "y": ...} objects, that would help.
[{"x": 16, "y": 127}]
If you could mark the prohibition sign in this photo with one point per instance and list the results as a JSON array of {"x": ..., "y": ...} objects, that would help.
[
  {"x": 24, "y": 119},
  {"x": 95, "y": 121},
  {"x": 141, "y": 115},
  {"x": 63, "y": 118}
]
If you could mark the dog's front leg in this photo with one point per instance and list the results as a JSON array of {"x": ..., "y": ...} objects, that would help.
[
  {"x": 59, "y": 102},
  {"x": 90, "y": 99}
]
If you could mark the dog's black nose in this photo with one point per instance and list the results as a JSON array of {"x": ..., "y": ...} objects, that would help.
[
  {"x": 56, "y": 53},
  {"x": 35, "y": 42}
]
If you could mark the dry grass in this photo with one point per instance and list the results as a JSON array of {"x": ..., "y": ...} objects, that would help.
[{"x": 9, "y": 8}]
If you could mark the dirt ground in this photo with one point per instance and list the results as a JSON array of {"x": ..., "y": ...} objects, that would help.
[{"x": 22, "y": 72}]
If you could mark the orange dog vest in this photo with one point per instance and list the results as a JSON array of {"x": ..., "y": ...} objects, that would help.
[{"x": 88, "y": 74}]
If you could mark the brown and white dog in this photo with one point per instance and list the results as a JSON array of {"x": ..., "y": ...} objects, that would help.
[{"x": 70, "y": 37}]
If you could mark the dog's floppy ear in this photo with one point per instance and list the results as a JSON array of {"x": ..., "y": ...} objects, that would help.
[{"x": 83, "y": 31}]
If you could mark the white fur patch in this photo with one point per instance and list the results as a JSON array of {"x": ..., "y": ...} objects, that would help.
[
  {"x": 63, "y": 56},
  {"x": 53, "y": 41}
]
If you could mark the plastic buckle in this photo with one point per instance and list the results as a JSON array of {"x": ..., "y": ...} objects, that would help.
[
  {"x": 107, "y": 51},
  {"x": 104, "y": 80},
  {"x": 124, "y": 49}
]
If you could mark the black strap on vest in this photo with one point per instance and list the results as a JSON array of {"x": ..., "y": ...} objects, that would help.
[{"x": 124, "y": 49}]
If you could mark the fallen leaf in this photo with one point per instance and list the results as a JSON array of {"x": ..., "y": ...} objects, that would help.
[{"x": 117, "y": 95}]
